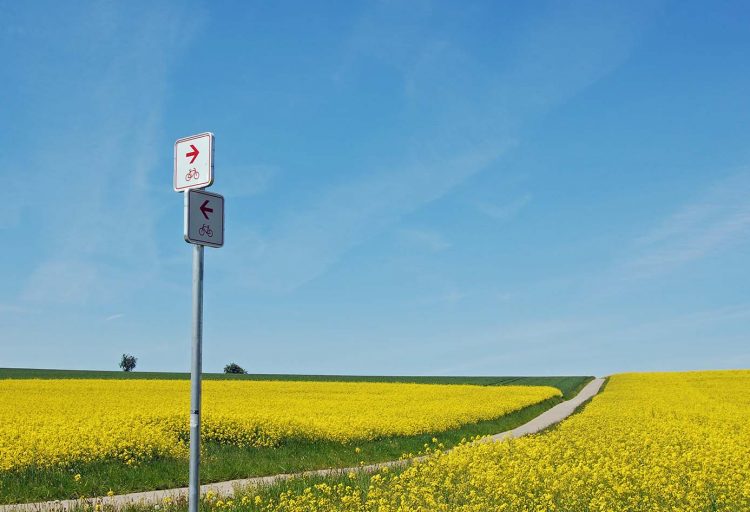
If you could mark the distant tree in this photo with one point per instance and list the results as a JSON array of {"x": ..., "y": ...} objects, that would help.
[
  {"x": 127, "y": 363},
  {"x": 234, "y": 368}
]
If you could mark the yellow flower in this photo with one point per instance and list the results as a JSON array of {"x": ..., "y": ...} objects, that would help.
[
  {"x": 649, "y": 442},
  {"x": 77, "y": 477},
  {"x": 90, "y": 420}
]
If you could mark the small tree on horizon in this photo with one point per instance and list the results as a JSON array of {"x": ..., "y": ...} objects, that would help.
[
  {"x": 127, "y": 363},
  {"x": 234, "y": 368}
]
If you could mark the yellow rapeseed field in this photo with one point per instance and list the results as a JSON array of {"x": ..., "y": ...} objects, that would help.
[
  {"x": 47, "y": 423},
  {"x": 649, "y": 442}
]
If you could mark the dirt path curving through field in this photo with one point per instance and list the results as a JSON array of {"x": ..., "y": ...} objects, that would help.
[{"x": 541, "y": 422}]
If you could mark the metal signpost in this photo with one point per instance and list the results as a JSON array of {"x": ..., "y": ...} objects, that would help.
[{"x": 204, "y": 225}]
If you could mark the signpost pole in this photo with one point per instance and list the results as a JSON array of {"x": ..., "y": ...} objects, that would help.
[
  {"x": 203, "y": 225},
  {"x": 195, "y": 379}
]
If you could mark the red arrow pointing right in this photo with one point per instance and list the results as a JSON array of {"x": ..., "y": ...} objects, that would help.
[{"x": 194, "y": 153}]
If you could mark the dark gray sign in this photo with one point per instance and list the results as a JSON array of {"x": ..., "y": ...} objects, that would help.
[{"x": 204, "y": 218}]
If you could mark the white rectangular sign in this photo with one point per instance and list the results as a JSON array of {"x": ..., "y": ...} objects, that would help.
[
  {"x": 194, "y": 162},
  {"x": 204, "y": 218}
]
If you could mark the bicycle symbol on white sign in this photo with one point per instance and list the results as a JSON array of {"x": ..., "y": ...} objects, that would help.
[{"x": 193, "y": 162}]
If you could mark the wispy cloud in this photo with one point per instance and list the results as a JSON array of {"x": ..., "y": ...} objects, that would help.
[
  {"x": 504, "y": 344},
  {"x": 716, "y": 221},
  {"x": 248, "y": 181},
  {"x": 306, "y": 242},
  {"x": 10, "y": 211},
  {"x": 99, "y": 230},
  {"x": 14, "y": 309},
  {"x": 503, "y": 212},
  {"x": 451, "y": 296},
  {"x": 64, "y": 281},
  {"x": 114, "y": 317},
  {"x": 465, "y": 124},
  {"x": 567, "y": 343},
  {"x": 429, "y": 239}
]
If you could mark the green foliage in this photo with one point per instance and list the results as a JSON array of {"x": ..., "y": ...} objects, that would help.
[
  {"x": 234, "y": 368},
  {"x": 127, "y": 363}
]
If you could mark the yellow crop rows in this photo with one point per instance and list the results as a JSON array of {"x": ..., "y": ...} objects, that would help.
[
  {"x": 47, "y": 423},
  {"x": 648, "y": 442}
]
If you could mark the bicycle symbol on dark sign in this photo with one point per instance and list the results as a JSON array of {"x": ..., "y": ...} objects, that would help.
[
  {"x": 206, "y": 230},
  {"x": 192, "y": 174}
]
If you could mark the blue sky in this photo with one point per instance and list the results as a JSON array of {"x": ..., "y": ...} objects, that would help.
[{"x": 478, "y": 188}]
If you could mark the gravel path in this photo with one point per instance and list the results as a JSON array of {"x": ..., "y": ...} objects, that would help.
[{"x": 544, "y": 420}]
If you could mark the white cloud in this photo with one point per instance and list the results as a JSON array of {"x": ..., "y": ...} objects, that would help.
[
  {"x": 503, "y": 212},
  {"x": 64, "y": 282},
  {"x": 429, "y": 239},
  {"x": 451, "y": 296},
  {"x": 247, "y": 181},
  {"x": 14, "y": 309},
  {"x": 460, "y": 134},
  {"x": 308, "y": 241},
  {"x": 93, "y": 173},
  {"x": 716, "y": 221},
  {"x": 569, "y": 343},
  {"x": 11, "y": 209}
]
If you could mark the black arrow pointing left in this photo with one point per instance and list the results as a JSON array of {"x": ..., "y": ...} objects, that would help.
[{"x": 205, "y": 210}]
